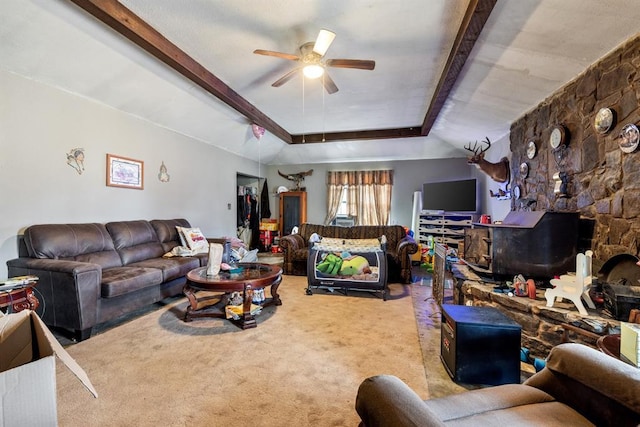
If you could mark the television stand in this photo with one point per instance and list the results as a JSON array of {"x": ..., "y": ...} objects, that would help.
[{"x": 446, "y": 228}]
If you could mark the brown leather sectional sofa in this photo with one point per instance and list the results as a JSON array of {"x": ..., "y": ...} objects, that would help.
[
  {"x": 91, "y": 273},
  {"x": 579, "y": 386},
  {"x": 399, "y": 247}
]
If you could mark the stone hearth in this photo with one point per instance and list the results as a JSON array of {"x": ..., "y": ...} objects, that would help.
[{"x": 542, "y": 327}]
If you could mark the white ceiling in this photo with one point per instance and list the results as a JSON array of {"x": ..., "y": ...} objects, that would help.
[{"x": 526, "y": 51}]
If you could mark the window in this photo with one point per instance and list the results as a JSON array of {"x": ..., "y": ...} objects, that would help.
[
  {"x": 343, "y": 209},
  {"x": 364, "y": 196}
]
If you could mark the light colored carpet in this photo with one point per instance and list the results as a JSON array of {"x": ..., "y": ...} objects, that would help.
[{"x": 300, "y": 367}]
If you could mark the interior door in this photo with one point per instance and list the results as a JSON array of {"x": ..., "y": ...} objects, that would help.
[{"x": 293, "y": 210}]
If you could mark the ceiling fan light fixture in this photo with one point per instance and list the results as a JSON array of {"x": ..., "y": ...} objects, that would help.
[
  {"x": 324, "y": 40},
  {"x": 311, "y": 61},
  {"x": 313, "y": 71}
]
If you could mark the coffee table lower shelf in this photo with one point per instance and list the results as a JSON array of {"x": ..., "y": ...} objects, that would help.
[
  {"x": 213, "y": 306},
  {"x": 218, "y": 289}
]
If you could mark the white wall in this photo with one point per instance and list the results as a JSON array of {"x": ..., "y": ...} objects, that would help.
[
  {"x": 498, "y": 209},
  {"x": 40, "y": 124},
  {"x": 408, "y": 175}
]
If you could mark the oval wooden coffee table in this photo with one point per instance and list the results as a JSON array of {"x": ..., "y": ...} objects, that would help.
[{"x": 252, "y": 276}]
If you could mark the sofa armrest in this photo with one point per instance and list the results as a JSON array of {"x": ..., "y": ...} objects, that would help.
[
  {"x": 407, "y": 246},
  {"x": 402, "y": 256},
  {"x": 385, "y": 400},
  {"x": 600, "y": 387},
  {"x": 289, "y": 245},
  {"x": 292, "y": 242},
  {"x": 69, "y": 290},
  {"x": 54, "y": 265}
]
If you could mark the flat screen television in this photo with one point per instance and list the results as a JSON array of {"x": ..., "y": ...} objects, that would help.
[{"x": 450, "y": 196}]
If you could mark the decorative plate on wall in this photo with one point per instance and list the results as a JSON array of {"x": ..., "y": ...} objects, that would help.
[
  {"x": 628, "y": 139},
  {"x": 524, "y": 170},
  {"x": 516, "y": 192},
  {"x": 603, "y": 121},
  {"x": 531, "y": 149},
  {"x": 557, "y": 137}
]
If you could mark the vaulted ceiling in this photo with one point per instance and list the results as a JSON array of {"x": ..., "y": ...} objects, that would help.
[{"x": 446, "y": 72}]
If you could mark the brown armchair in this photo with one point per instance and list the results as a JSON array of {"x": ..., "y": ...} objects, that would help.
[{"x": 579, "y": 386}]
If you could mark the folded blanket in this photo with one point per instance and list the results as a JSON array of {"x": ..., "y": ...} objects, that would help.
[{"x": 181, "y": 251}]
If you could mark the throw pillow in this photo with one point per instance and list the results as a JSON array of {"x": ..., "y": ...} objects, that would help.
[
  {"x": 195, "y": 240},
  {"x": 183, "y": 242}
]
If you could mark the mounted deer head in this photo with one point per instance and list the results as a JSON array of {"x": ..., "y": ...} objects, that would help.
[{"x": 499, "y": 172}]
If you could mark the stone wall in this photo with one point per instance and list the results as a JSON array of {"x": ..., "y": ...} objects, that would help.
[{"x": 603, "y": 182}]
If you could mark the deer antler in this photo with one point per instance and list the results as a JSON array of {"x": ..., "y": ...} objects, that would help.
[
  {"x": 478, "y": 150},
  {"x": 497, "y": 171}
]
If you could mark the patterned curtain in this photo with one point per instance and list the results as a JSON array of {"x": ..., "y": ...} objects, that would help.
[
  {"x": 368, "y": 195},
  {"x": 334, "y": 196}
]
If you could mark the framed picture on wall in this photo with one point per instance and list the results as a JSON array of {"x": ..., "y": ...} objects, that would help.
[{"x": 124, "y": 172}]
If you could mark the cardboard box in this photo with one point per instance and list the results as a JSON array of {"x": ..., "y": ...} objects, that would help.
[
  {"x": 630, "y": 343},
  {"x": 269, "y": 225},
  {"x": 28, "y": 371}
]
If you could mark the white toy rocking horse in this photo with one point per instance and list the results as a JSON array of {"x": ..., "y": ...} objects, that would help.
[{"x": 574, "y": 287}]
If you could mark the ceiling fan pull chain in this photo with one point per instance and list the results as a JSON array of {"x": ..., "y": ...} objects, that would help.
[
  {"x": 324, "y": 115},
  {"x": 303, "y": 121}
]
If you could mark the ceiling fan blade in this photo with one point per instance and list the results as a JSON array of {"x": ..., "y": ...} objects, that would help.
[
  {"x": 324, "y": 40},
  {"x": 277, "y": 54},
  {"x": 329, "y": 84},
  {"x": 360, "y": 64},
  {"x": 282, "y": 80}
]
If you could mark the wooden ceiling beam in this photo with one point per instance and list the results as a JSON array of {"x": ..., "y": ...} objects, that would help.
[
  {"x": 125, "y": 22},
  {"x": 356, "y": 135},
  {"x": 472, "y": 24}
]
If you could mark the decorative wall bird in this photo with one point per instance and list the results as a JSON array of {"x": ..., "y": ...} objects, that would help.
[{"x": 296, "y": 177}]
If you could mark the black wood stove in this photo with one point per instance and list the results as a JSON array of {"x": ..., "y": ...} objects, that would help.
[{"x": 535, "y": 244}]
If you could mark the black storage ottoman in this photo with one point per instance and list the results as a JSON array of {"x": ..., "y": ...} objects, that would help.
[{"x": 480, "y": 345}]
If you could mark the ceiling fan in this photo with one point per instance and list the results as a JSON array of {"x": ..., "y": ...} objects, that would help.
[{"x": 312, "y": 64}]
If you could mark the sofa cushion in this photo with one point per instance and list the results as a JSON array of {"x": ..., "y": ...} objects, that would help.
[
  {"x": 78, "y": 242},
  {"x": 171, "y": 268},
  {"x": 509, "y": 404},
  {"x": 135, "y": 241},
  {"x": 541, "y": 414},
  {"x": 123, "y": 280},
  {"x": 486, "y": 399},
  {"x": 167, "y": 233}
]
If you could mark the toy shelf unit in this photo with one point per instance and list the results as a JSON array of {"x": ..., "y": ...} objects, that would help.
[{"x": 444, "y": 228}]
